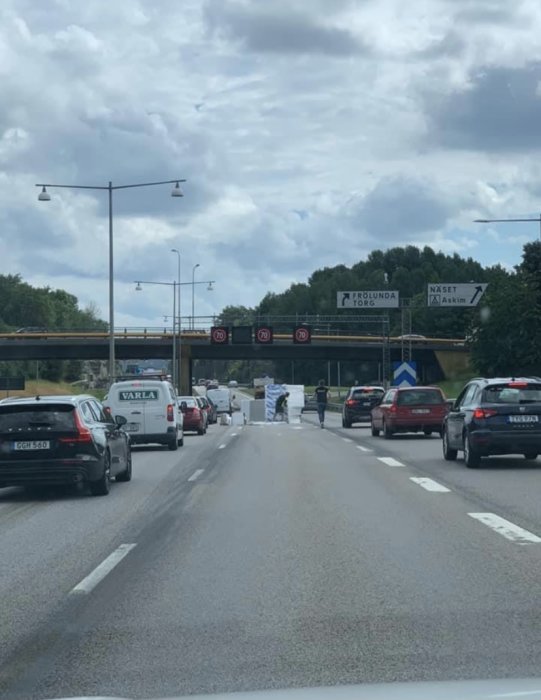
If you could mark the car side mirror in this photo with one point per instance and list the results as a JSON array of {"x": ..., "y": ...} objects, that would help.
[
  {"x": 121, "y": 420},
  {"x": 183, "y": 406}
]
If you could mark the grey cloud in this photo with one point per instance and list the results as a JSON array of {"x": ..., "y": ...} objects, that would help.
[
  {"x": 399, "y": 208},
  {"x": 500, "y": 112},
  {"x": 288, "y": 32},
  {"x": 451, "y": 45}
]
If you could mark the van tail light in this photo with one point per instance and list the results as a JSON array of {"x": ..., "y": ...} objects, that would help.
[
  {"x": 170, "y": 413},
  {"x": 83, "y": 433},
  {"x": 480, "y": 413}
]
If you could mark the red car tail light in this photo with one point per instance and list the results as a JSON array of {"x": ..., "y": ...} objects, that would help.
[
  {"x": 392, "y": 408},
  {"x": 350, "y": 402},
  {"x": 484, "y": 413},
  {"x": 83, "y": 433},
  {"x": 170, "y": 413}
]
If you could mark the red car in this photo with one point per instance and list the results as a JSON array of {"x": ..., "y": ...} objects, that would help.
[
  {"x": 194, "y": 415},
  {"x": 410, "y": 410}
]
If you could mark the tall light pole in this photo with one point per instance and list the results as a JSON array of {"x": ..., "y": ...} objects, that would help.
[
  {"x": 179, "y": 383},
  {"x": 193, "y": 293},
  {"x": 505, "y": 221},
  {"x": 44, "y": 196},
  {"x": 139, "y": 288}
]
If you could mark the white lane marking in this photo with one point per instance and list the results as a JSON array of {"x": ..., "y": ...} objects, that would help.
[
  {"x": 100, "y": 572},
  {"x": 221, "y": 447},
  {"x": 391, "y": 462},
  {"x": 234, "y": 434},
  {"x": 507, "y": 529},
  {"x": 347, "y": 439},
  {"x": 430, "y": 484},
  {"x": 197, "y": 473},
  {"x": 363, "y": 449}
]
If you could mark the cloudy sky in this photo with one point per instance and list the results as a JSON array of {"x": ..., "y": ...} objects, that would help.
[{"x": 309, "y": 132}]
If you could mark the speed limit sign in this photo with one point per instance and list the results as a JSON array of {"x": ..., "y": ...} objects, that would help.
[
  {"x": 302, "y": 334},
  {"x": 263, "y": 335},
  {"x": 219, "y": 335}
]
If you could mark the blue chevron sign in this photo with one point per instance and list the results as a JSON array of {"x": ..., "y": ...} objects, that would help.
[{"x": 404, "y": 374}]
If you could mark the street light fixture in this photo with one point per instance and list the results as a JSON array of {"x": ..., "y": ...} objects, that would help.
[
  {"x": 44, "y": 196},
  {"x": 505, "y": 221}
]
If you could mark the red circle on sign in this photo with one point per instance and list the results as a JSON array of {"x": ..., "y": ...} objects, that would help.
[
  {"x": 302, "y": 335},
  {"x": 263, "y": 335},
  {"x": 219, "y": 335}
]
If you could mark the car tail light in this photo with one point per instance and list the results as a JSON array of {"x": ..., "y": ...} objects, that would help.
[
  {"x": 518, "y": 385},
  {"x": 392, "y": 408},
  {"x": 484, "y": 413},
  {"x": 83, "y": 433},
  {"x": 170, "y": 413},
  {"x": 350, "y": 402}
]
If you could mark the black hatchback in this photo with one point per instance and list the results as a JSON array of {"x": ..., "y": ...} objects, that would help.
[
  {"x": 62, "y": 440},
  {"x": 359, "y": 402},
  {"x": 494, "y": 417}
]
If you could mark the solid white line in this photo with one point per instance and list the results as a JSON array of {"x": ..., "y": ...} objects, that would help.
[
  {"x": 347, "y": 439},
  {"x": 197, "y": 473},
  {"x": 507, "y": 529},
  {"x": 430, "y": 484},
  {"x": 101, "y": 571},
  {"x": 221, "y": 447},
  {"x": 363, "y": 449},
  {"x": 391, "y": 462}
]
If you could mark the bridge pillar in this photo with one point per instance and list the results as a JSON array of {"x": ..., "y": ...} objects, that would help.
[{"x": 185, "y": 370}]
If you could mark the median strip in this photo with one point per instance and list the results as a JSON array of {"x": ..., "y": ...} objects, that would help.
[
  {"x": 429, "y": 484},
  {"x": 503, "y": 527},
  {"x": 100, "y": 572}
]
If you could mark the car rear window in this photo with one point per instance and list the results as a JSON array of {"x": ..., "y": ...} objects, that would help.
[
  {"x": 512, "y": 392},
  {"x": 190, "y": 402},
  {"x": 419, "y": 397},
  {"x": 368, "y": 393},
  {"x": 47, "y": 417}
]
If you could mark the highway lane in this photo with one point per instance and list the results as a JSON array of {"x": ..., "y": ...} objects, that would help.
[
  {"x": 294, "y": 558},
  {"x": 510, "y": 485},
  {"x": 50, "y": 539}
]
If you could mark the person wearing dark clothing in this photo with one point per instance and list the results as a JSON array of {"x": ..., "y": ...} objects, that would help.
[
  {"x": 281, "y": 405},
  {"x": 322, "y": 396}
]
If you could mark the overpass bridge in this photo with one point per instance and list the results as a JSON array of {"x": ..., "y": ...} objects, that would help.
[{"x": 434, "y": 355}]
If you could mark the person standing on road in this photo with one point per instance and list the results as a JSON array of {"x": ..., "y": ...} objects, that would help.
[{"x": 322, "y": 396}]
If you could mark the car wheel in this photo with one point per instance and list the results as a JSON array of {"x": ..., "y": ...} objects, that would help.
[
  {"x": 448, "y": 453},
  {"x": 181, "y": 441},
  {"x": 126, "y": 474},
  {"x": 387, "y": 431},
  {"x": 530, "y": 455},
  {"x": 200, "y": 431},
  {"x": 173, "y": 444},
  {"x": 374, "y": 430},
  {"x": 427, "y": 432},
  {"x": 102, "y": 486},
  {"x": 471, "y": 459},
  {"x": 347, "y": 424}
]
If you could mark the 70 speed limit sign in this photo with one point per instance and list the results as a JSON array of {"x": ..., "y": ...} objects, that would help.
[
  {"x": 219, "y": 335},
  {"x": 302, "y": 335},
  {"x": 264, "y": 335}
]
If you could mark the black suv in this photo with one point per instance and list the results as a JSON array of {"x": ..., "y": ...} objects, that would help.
[
  {"x": 62, "y": 440},
  {"x": 494, "y": 417},
  {"x": 359, "y": 402}
]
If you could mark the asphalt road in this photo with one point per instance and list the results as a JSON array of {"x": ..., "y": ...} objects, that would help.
[{"x": 274, "y": 556}]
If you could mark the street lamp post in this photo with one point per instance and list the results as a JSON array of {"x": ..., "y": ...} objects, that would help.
[
  {"x": 44, "y": 196},
  {"x": 193, "y": 293},
  {"x": 505, "y": 221}
]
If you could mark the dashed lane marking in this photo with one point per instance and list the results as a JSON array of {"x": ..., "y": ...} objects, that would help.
[
  {"x": 197, "y": 473},
  {"x": 391, "y": 462},
  {"x": 429, "y": 485},
  {"x": 503, "y": 527},
  {"x": 363, "y": 449},
  {"x": 100, "y": 572}
]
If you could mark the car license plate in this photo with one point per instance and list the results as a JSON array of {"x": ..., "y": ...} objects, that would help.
[
  {"x": 32, "y": 445},
  {"x": 132, "y": 427},
  {"x": 366, "y": 403},
  {"x": 420, "y": 410},
  {"x": 523, "y": 419}
]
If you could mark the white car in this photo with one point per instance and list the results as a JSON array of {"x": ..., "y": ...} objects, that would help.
[
  {"x": 150, "y": 407},
  {"x": 221, "y": 398}
]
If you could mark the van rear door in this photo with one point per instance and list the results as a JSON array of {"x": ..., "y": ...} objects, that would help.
[
  {"x": 156, "y": 411},
  {"x": 130, "y": 402}
]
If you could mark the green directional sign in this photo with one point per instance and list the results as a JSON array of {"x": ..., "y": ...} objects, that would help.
[{"x": 138, "y": 395}]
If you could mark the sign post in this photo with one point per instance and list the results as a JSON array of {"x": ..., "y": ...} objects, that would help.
[
  {"x": 460, "y": 294},
  {"x": 375, "y": 299}
]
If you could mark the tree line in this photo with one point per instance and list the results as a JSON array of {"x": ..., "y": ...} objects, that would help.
[
  {"x": 503, "y": 331},
  {"x": 24, "y": 306}
]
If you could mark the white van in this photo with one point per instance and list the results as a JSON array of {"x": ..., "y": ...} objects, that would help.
[
  {"x": 221, "y": 398},
  {"x": 151, "y": 408}
]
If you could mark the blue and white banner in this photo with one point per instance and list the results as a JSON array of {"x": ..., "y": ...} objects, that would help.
[
  {"x": 272, "y": 392},
  {"x": 404, "y": 374}
]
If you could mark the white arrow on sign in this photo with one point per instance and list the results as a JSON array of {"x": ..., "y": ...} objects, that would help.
[
  {"x": 459, "y": 294},
  {"x": 373, "y": 299}
]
